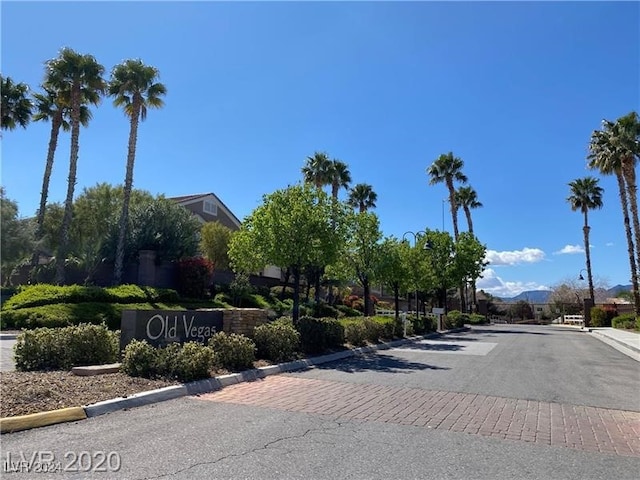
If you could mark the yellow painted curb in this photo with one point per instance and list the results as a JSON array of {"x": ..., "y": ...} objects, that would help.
[{"x": 34, "y": 420}]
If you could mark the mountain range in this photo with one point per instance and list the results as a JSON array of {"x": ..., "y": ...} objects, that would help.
[{"x": 542, "y": 296}]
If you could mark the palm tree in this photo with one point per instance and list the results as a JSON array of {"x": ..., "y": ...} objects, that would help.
[
  {"x": 615, "y": 150},
  {"x": 135, "y": 88},
  {"x": 81, "y": 76},
  {"x": 362, "y": 197},
  {"x": 339, "y": 175},
  {"x": 586, "y": 195},
  {"x": 467, "y": 198},
  {"x": 446, "y": 169},
  {"x": 316, "y": 170},
  {"x": 16, "y": 104},
  {"x": 52, "y": 106}
]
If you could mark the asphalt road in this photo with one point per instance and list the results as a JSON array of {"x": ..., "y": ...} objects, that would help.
[{"x": 283, "y": 426}]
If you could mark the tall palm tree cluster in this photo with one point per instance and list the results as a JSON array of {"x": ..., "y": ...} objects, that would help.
[
  {"x": 72, "y": 83},
  {"x": 613, "y": 150},
  {"x": 321, "y": 171},
  {"x": 447, "y": 169}
]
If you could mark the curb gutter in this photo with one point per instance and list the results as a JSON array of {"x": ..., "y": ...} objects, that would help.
[{"x": 34, "y": 420}]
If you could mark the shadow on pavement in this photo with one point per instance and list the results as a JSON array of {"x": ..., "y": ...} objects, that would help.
[
  {"x": 523, "y": 332},
  {"x": 379, "y": 363},
  {"x": 438, "y": 347}
]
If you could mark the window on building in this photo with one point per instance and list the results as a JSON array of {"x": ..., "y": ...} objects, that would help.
[{"x": 210, "y": 207}]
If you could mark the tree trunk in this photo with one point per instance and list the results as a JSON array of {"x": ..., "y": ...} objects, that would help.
[
  {"x": 71, "y": 183},
  {"x": 56, "y": 123},
  {"x": 318, "y": 275},
  {"x": 467, "y": 212},
  {"x": 396, "y": 299},
  {"x": 296, "y": 294},
  {"x": 128, "y": 185},
  {"x": 287, "y": 274},
  {"x": 367, "y": 297},
  {"x": 586, "y": 229},
  {"x": 629, "y": 172},
  {"x": 630, "y": 247},
  {"x": 454, "y": 208}
]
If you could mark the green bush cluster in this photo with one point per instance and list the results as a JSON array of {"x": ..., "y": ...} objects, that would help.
[
  {"x": 44, "y": 294},
  {"x": 277, "y": 341},
  {"x": 320, "y": 334},
  {"x": 456, "y": 319},
  {"x": 64, "y": 348},
  {"x": 601, "y": 317},
  {"x": 423, "y": 325},
  {"x": 187, "y": 362},
  {"x": 322, "y": 309},
  {"x": 355, "y": 332},
  {"x": 232, "y": 351},
  {"x": 626, "y": 321},
  {"x": 348, "y": 311},
  {"x": 67, "y": 314}
]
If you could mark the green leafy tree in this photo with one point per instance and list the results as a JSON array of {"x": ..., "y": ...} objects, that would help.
[
  {"x": 469, "y": 258},
  {"x": 444, "y": 273},
  {"x": 291, "y": 229},
  {"x": 16, "y": 104},
  {"x": 394, "y": 270},
  {"x": 135, "y": 88},
  {"x": 614, "y": 150},
  {"x": 362, "y": 197},
  {"x": 16, "y": 239},
  {"x": 214, "y": 244},
  {"x": 586, "y": 195},
  {"x": 363, "y": 252},
  {"x": 81, "y": 76}
]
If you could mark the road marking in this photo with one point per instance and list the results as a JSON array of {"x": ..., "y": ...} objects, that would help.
[
  {"x": 455, "y": 347},
  {"x": 594, "y": 429}
]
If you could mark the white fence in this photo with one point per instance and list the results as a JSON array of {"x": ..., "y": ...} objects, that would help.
[{"x": 573, "y": 319}]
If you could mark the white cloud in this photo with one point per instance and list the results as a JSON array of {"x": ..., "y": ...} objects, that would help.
[
  {"x": 496, "y": 286},
  {"x": 609, "y": 244},
  {"x": 515, "y": 257},
  {"x": 569, "y": 250}
]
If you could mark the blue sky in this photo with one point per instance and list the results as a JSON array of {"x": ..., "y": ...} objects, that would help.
[{"x": 513, "y": 88}]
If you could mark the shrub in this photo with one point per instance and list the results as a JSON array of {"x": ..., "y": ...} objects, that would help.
[
  {"x": 348, "y": 311},
  {"x": 63, "y": 348},
  {"x": 355, "y": 332},
  {"x": 477, "y": 319},
  {"x": 599, "y": 317},
  {"x": 140, "y": 359},
  {"x": 276, "y": 292},
  {"x": 65, "y": 314},
  {"x": 388, "y": 327},
  {"x": 277, "y": 341},
  {"x": 323, "y": 309},
  {"x": 192, "y": 361},
  {"x": 194, "y": 276},
  {"x": 233, "y": 351},
  {"x": 456, "y": 319},
  {"x": 319, "y": 334},
  {"x": 625, "y": 321},
  {"x": 44, "y": 294}
]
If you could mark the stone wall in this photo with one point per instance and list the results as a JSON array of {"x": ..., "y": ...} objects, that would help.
[{"x": 243, "y": 320}]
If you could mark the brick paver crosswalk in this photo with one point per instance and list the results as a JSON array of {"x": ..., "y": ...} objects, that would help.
[{"x": 573, "y": 426}]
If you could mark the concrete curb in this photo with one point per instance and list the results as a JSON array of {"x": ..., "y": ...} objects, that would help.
[
  {"x": 628, "y": 350},
  {"x": 8, "y": 336},
  {"x": 34, "y": 420},
  {"x": 13, "y": 424}
]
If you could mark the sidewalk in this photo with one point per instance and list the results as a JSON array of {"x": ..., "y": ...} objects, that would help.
[{"x": 625, "y": 341}]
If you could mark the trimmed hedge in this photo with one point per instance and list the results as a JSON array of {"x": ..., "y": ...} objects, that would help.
[
  {"x": 187, "y": 362},
  {"x": 44, "y": 294},
  {"x": 63, "y": 348},
  {"x": 278, "y": 341},
  {"x": 626, "y": 321},
  {"x": 232, "y": 351},
  {"x": 320, "y": 334},
  {"x": 66, "y": 314}
]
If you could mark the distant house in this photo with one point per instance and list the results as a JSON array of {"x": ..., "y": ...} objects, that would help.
[{"x": 207, "y": 207}]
